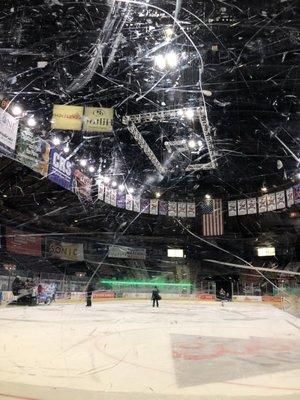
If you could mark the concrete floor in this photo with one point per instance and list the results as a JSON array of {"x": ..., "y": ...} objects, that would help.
[{"x": 126, "y": 350}]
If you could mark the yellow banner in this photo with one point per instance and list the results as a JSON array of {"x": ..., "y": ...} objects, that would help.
[
  {"x": 67, "y": 117},
  {"x": 98, "y": 119}
]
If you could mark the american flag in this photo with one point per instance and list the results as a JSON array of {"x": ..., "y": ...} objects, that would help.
[{"x": 212, "y": 218}]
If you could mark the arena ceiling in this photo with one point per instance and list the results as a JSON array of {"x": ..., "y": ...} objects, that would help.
[{"x": 238, "y": 59}]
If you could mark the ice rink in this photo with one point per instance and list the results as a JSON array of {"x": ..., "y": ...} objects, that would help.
[{"x": 126, "y": 350}]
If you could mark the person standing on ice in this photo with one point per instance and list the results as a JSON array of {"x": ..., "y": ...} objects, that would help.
[
  {"x": 89, "y": 294},
  {"x": 155, "y": 297}
]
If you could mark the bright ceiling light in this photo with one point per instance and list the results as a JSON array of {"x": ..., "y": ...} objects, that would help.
[
  {"x": 56, "y": 141},
  {"x": 92, "y": 168},
  {"x": 207, "y": 197},
  {"x": 189, "y": 113},
  {"x": 31, "y": 122},
  {"x": 172, "y": 59},
  {"x": 169, "y": 33},
  {"x": 200, "y": 144},
  {"x": 106, "y": 179},
  {"x": 114, "y": 184},
  {"x": 83, "y": 162},
  {"x": 131, "y": 190},
  {"x": 160, "y": 61},
  {"x": 157, "y": 195},
  {"x": 66, "y": 148},
  {"x": 298, "y": 175},
  {"x": 180, "y": 112},
  {"x": 16, "y": 110},
  {"x": 192, "y": 143},
  {"x": 121, "y": 187},
  {"x": 264, "y": 189}
]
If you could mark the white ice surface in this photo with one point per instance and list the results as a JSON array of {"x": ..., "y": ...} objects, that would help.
[{"x": 128, "y": 350}]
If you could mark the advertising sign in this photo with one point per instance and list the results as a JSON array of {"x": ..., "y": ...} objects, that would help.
[
  {"x": 126, "y": 252},
  {"x": 64, "y": 250},
  {"x": 60, "y": 170},
  {"x": 33, "y": 152},
  {"x": 8, "y": 131},
  {"x": 67, "y": 117},
  {"x": 98, "y": 119},
  {"x": 83, "y": 185},
  {"x": 23, "y": 243}
]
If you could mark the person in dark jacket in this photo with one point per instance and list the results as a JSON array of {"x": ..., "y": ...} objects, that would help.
[
  {"x": 89, "y": 294},
  {"x": 155, "y": 297}
]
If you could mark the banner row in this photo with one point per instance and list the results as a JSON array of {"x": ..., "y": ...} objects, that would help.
[{"x": 268, "y": 202}]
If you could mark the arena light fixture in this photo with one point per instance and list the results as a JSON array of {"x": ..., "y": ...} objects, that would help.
[
  {"x": 131, "y": 190},
  {"x": 121, "y": 187},
  {"x": 207, "y": 197},
  {"x": 106, "y": 179},
  {"x": 56, "y": 141},
  {"x": 264, "y": 189},
  {"x": 17, "y": 110},
  {"x": 66, "y": 149},
  {"x": 159, "y": 61},
  {"x": 157, "y": 195},
  {"x": 114, "y": 184},
  {"x": 83, "y": 162},
  {"x": 192, "y": 143},
  {"x": 171, "y": 59},
  {"x": 31, "y": 122},
  {"x": 189, "y": 113},
  {"x": 92, "y": 168}
]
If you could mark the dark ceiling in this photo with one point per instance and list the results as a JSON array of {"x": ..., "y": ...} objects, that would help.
[{"x": 100, "y": 53}]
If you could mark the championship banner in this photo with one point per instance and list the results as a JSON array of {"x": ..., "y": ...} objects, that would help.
[
  {"x": 232, "y": 208},
  {"x": 154, "y": 206},
  {"x": 145, "y": 206},
  {"x": 107, "y": 195},
  {"x": 290, "y": 197},
  {"x": 33, "y": 152},
  {"x": 23, "y": 243},
  {"x": 172, "y": 209},
  {"x": 280, "y": 199},
  {"x": 242, "y": 207},
  {"x": 98, "y": 119},
  {"x": 8, "y": 131},
  {"x": 271, "y": 201},
  {"x": 83, "y": 185},
  {"x": 262, "y": 204},
  {"x": 101, "y": 191},
  {"x": 251, "y": 205},
  {"x": 121, "y": 200},
  {"x": 162, "y": 207},
  {"x": 191, "y": 210},
  {"x": 67, "y": 117},
  {"x": 297, "y": 194},
  {"x": 129, "y": 202},
  {"x": 64, "y": 250},
  {"x": 182, "y": 210},
  {"x": 61, "y": 170},
  {"x": 136, "y": 204},
  {"x": 113, "y": 197}
]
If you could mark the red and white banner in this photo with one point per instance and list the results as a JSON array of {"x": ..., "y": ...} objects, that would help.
[{"x": 23, "y": 243}]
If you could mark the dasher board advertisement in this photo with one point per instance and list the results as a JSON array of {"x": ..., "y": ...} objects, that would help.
[{"x": 8, "y": 132}]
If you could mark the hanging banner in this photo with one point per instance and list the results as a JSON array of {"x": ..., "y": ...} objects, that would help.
[
  {"x": 154, "y": 206},
  {"x": 129, "y": 202},
  {"x": 172, "y": 209},
  {"x": 113, "y": 197},
  {"x": 64, "y": 250},
  {"x": 67, "y": 117},
  {"x": 280, "y": 200},
  {"x": 262, "y": 204},
  {"x": 271, "y": 202},
  {"x": 8, "y": 132},
  {"x": 98, "y": 119},
  {"x": 145, "y": 206},
  {"x": 101, "y": 191},
  {"x": 191, "y": 210},
  {"x": 242, "y": 207},
  {"x": 82, "y": 185},
  {"x": 60, "y": 170},
  {"x": 126, "y": 252},
  {"x": 23, "y": 243},
  {"x": 297, "y": 194},
  {"x": 232, "y": 208},
  {"x": 136, "y": 204},
  {"x": 290, "y": 196},
  {"x": 182, "y": 210},
  {"x": 107, "y": 195},
  {"x": 33, "y": 151},
  {"x": 252, "y": 206},
  {"x": 121, "y": 200},
  {"x": 162, "y": 207}
]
